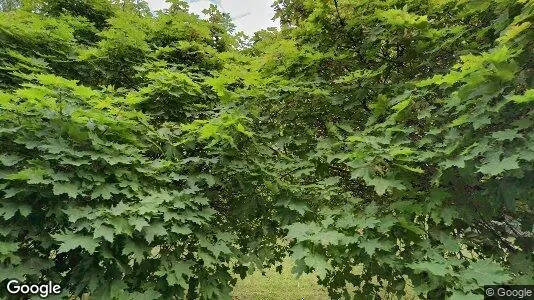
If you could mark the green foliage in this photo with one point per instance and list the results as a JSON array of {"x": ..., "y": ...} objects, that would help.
[
  {"x": 385, "y": 146},
  {"x": 91, "y": 175}
]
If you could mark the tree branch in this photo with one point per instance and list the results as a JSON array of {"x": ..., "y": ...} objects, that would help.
[{"x": 341, "y": 20}]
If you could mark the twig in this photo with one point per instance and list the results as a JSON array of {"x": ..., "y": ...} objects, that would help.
[{"x": 341, "y": 20}]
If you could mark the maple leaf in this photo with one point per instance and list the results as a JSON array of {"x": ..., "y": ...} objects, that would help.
[
  {"x": 137, "y": 252},
  {"x": 183, "y": 230},
  {"x": 327, "y": 237},
  {"x": 485, "y": 272},
  {"x": 76, "y": 213},
  {"x": 104, "y": 231},
  {"x": 9, "y": 209},
  {"x": 300, "y": 230},
  {"x": 119, "y": 209},
  {"x": 431, "y": 267},
  {"x": 370, "y": 246},
  {"x": 299, "y": 252},
  {"x": 300, "y": 207},
  {"x": 105, "y": 191},
  {"x": 70, "y": 242},
  {"x": 155, "y": 229},
  {"x": 382, "y": 184},
  {"x": 31, "y": 175},
  {"x": 318, "y": 263},
  {"x": 8, "y": 248},
  {"x": 506, "y": 135},
  {"x": 72, "y": 190},
  {"x": 496, "y": 166},
  {"x": 9, "y": 160},
  {"x": 219, "y": 248},
  {"x": 138, "y": 223}
]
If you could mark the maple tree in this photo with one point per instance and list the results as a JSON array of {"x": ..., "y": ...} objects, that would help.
[{"x": 383, "y": 145}]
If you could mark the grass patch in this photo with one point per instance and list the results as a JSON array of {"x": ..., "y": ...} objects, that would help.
[
  {"x": 276, "y": 286},
  {"x": 285, "y": 285}
]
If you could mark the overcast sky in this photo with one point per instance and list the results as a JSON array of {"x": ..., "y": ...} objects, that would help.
[{"x": 249, "y": 15}]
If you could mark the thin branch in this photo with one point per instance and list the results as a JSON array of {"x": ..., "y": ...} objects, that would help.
[
  {"x": 511, "y": 227},
  {"x": 488, "y": 227},
  {"x": 341, "y": 20}
]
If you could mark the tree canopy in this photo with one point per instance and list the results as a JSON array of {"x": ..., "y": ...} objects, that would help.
[{"x": 383, "y": 145}]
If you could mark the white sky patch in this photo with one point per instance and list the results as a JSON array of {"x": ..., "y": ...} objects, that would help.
[{"x": 249, "y": 15}]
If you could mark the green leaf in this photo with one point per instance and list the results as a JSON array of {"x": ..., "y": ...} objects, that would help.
[
  {"x": 182, "y": 230},
  {"x": 460, "y": 295},
  {"x": 299, "y": 252},
  {"x": 411, "y": 169},
  {"x": 119, "y": 209},
  {"x": 8, "y": 248},
  {"x": 242, "y": 129},
  {"x": 330, "y": 181},
  {"x": 105, "y": 191},
  {"x": 175, "y": 276},
  {"x": 449, "y": 243},
  {"x": 431, "y": 267},
  {"x": 155, "y": 229},
  {"x": 456, "y": 162},
  {"x": 495, "y": 166},
  {"x": 9, "y": 209},
  {"x": 480, "y": 121},
  {"x": 72, "y": 190},
  {"x": 411, "y": 227},
  {"x": 366, "y": 222},
  {"x": 76, "y": 213},
  {"x": 136, "y": 251},
  {"x": 506, "y": 135},
  {"x": 300, "y": 230},
  {"x": 485, "y": 272},
  {"x": 72, "y": 241},
  {"x": 300, "y": 207},
  {"x": 104, "y": 231},
  {"x": 9, "y": 160},
  {"x": 219, "y": 248},
  {"x": 318, "y": 263},
  {"x": 138, "y": 223},
  {"x": 460, "y": 120},
  {"x": 328, "y": 237},
  {"x": 355, "y": 138},
  {"x": 370, "y": 246},
  {"x": 402, "y": 105},
  {"x": 31, "y": 175},
  {"x": 526, "y": 98},
  {"x": 382, "y": 184}
]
